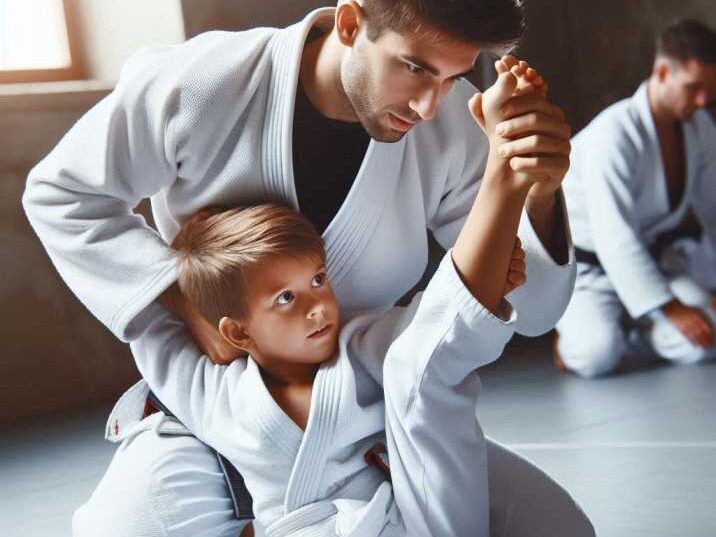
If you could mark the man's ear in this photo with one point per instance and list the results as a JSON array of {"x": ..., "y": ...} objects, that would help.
[
  {"x": 349, "y": 17},
  {"x": 661, "y": 69},
  {"x": 234, "y": 332}
]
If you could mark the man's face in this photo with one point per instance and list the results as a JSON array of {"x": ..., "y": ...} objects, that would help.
[
  {"x": 688, "y": 86},
  {"x": 398, "y": 80},
  {"x": 293, "y": 314}
]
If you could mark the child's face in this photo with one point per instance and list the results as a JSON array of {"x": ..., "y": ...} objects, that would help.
[{"x": 293, "y": 315}]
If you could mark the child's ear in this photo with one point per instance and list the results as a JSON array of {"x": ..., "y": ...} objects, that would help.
[{"x": 235, "y": 333}]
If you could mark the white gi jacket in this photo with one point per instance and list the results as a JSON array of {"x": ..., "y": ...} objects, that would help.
[
  {"x": 317, "y": 483},
  {"x": 618, "y": 201},
  {"x": 209, "y": 122}
]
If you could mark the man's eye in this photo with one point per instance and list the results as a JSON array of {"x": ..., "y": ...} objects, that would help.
[
  {"x": 318, "y": 280},
  {"x": 413, "y": 68},
  {"x": 285, "y": 298}
]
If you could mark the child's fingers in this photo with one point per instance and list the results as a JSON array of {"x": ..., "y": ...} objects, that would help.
[
  {"x": 518, "y": 266},
  {"x": 516, "y": 278},
  {"x": 517, "y": 251}
]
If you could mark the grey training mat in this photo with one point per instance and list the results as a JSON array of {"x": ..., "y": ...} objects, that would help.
[{"x": 637, "y": 451}]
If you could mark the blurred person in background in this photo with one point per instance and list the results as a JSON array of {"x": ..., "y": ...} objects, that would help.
[{"x": 641, "y": 195}]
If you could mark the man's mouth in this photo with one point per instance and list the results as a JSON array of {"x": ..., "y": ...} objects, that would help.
[
  {"x": 401, "y": 124},
  {"x": 321, "y": 331}
]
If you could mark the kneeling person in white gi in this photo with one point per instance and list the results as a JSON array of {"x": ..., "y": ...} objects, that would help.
[
  {"x": 642, "y": 174},
  {"x": 298, "y": 416}
]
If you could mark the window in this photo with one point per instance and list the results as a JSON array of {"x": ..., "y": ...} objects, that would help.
[{"x": 37, "y": 41}]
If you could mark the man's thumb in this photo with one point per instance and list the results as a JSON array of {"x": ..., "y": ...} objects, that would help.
[{"x": 475, "y": 106}]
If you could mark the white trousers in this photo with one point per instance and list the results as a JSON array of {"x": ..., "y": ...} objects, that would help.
[
  {"x": 172, "y": 486},
  {"x": 595, "y": 332}
]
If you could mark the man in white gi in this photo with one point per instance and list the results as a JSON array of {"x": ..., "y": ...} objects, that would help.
[
  {"x": 214, "y": 122},
  {"x": 642, "y": 179}
]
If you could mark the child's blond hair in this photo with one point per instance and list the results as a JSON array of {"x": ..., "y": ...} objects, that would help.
[{"x": 216, "y": 248}]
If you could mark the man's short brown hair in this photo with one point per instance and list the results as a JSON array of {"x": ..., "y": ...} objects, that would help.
[
  {"x": 496, "y": 24},
  {"x": 686, "y": 40},
  {"x": 217, "y": 247}
]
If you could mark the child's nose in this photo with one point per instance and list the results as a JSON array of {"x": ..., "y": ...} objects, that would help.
[{"x": 318, "y": 309}]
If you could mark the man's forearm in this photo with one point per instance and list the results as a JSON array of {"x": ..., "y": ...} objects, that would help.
[{"x": 547, "y": 218}]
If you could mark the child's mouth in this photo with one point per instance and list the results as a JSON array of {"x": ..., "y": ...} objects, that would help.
[{"x": 320, "y": 331}]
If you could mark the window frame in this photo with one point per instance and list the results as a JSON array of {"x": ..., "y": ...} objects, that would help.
[{"x": 75, "y": 71}]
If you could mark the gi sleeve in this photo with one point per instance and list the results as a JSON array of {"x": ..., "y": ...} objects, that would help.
[
  {"x": 609, "y": 178},
  {"x": 436, "y": 447},
  {"x": 207, "y": 398},
  {"x": 79, "y": 199}
]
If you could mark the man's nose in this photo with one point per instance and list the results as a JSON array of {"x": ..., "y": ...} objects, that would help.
[{"x": 426, "y": 104}]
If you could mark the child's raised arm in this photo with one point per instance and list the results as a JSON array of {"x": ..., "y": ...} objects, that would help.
[{"x": 483, "y": 251}]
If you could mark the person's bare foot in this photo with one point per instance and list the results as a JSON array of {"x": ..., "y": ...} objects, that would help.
[
  {"x": 485, "y": 107},
  {"x": 248, "y": 531},
  {"x": 556, "y": 357},
  {"x": 528, "y": 79}
]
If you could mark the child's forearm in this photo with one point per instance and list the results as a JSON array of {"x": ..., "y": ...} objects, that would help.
[{"x": 484, "y": 246}]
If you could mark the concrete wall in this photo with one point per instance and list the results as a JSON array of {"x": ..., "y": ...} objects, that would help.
[
  {"x": 110, "y": 31},
  {"x": 595, "y": 53},
  {"x": 55, "y": 356}
]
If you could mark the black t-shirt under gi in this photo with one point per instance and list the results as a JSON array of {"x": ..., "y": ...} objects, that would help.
[{"x": 327, "y": 155}]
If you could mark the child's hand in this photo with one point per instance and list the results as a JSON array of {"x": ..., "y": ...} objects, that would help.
[{"x": 517, "y": 273}]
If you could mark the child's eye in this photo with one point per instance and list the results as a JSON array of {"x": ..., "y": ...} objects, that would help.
[
  {"x": 285, "y": 298},
  {"x": 318, "y": 280},
  {"x": 413, "y": 68}
]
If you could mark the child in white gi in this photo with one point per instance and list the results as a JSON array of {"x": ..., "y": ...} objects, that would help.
[{"x": 298, "y": 416}]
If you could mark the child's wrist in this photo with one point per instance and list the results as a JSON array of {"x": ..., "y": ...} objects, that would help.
[{"x": 503, "y": 180}]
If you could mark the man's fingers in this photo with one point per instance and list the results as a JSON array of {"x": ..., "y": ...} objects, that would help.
[
  {"x": 703, "y": 332},
  {"x": 698, "y": 330},
  {"x": 535, "y": 145},
  {"x": 699, "y": 337},
  {"x": 551, "y": 166},
  {"x": 530, "y": 102},
  {"x": 475, "y": 107},
  {"x": 534, "y": 122}
]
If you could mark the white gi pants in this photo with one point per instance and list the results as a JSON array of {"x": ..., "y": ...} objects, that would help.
[
  {"x": 595, "y": 332},
  {"x": 172, "y": 486}
]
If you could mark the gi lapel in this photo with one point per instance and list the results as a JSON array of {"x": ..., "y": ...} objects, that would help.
[
  {"x": 277, "y": 159},
  {"x": 670, "y": 219},
  {"x": 270, "y": 417},
  {"x": 305, "y": 481},
  {"x": 355, "y": 223}
]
